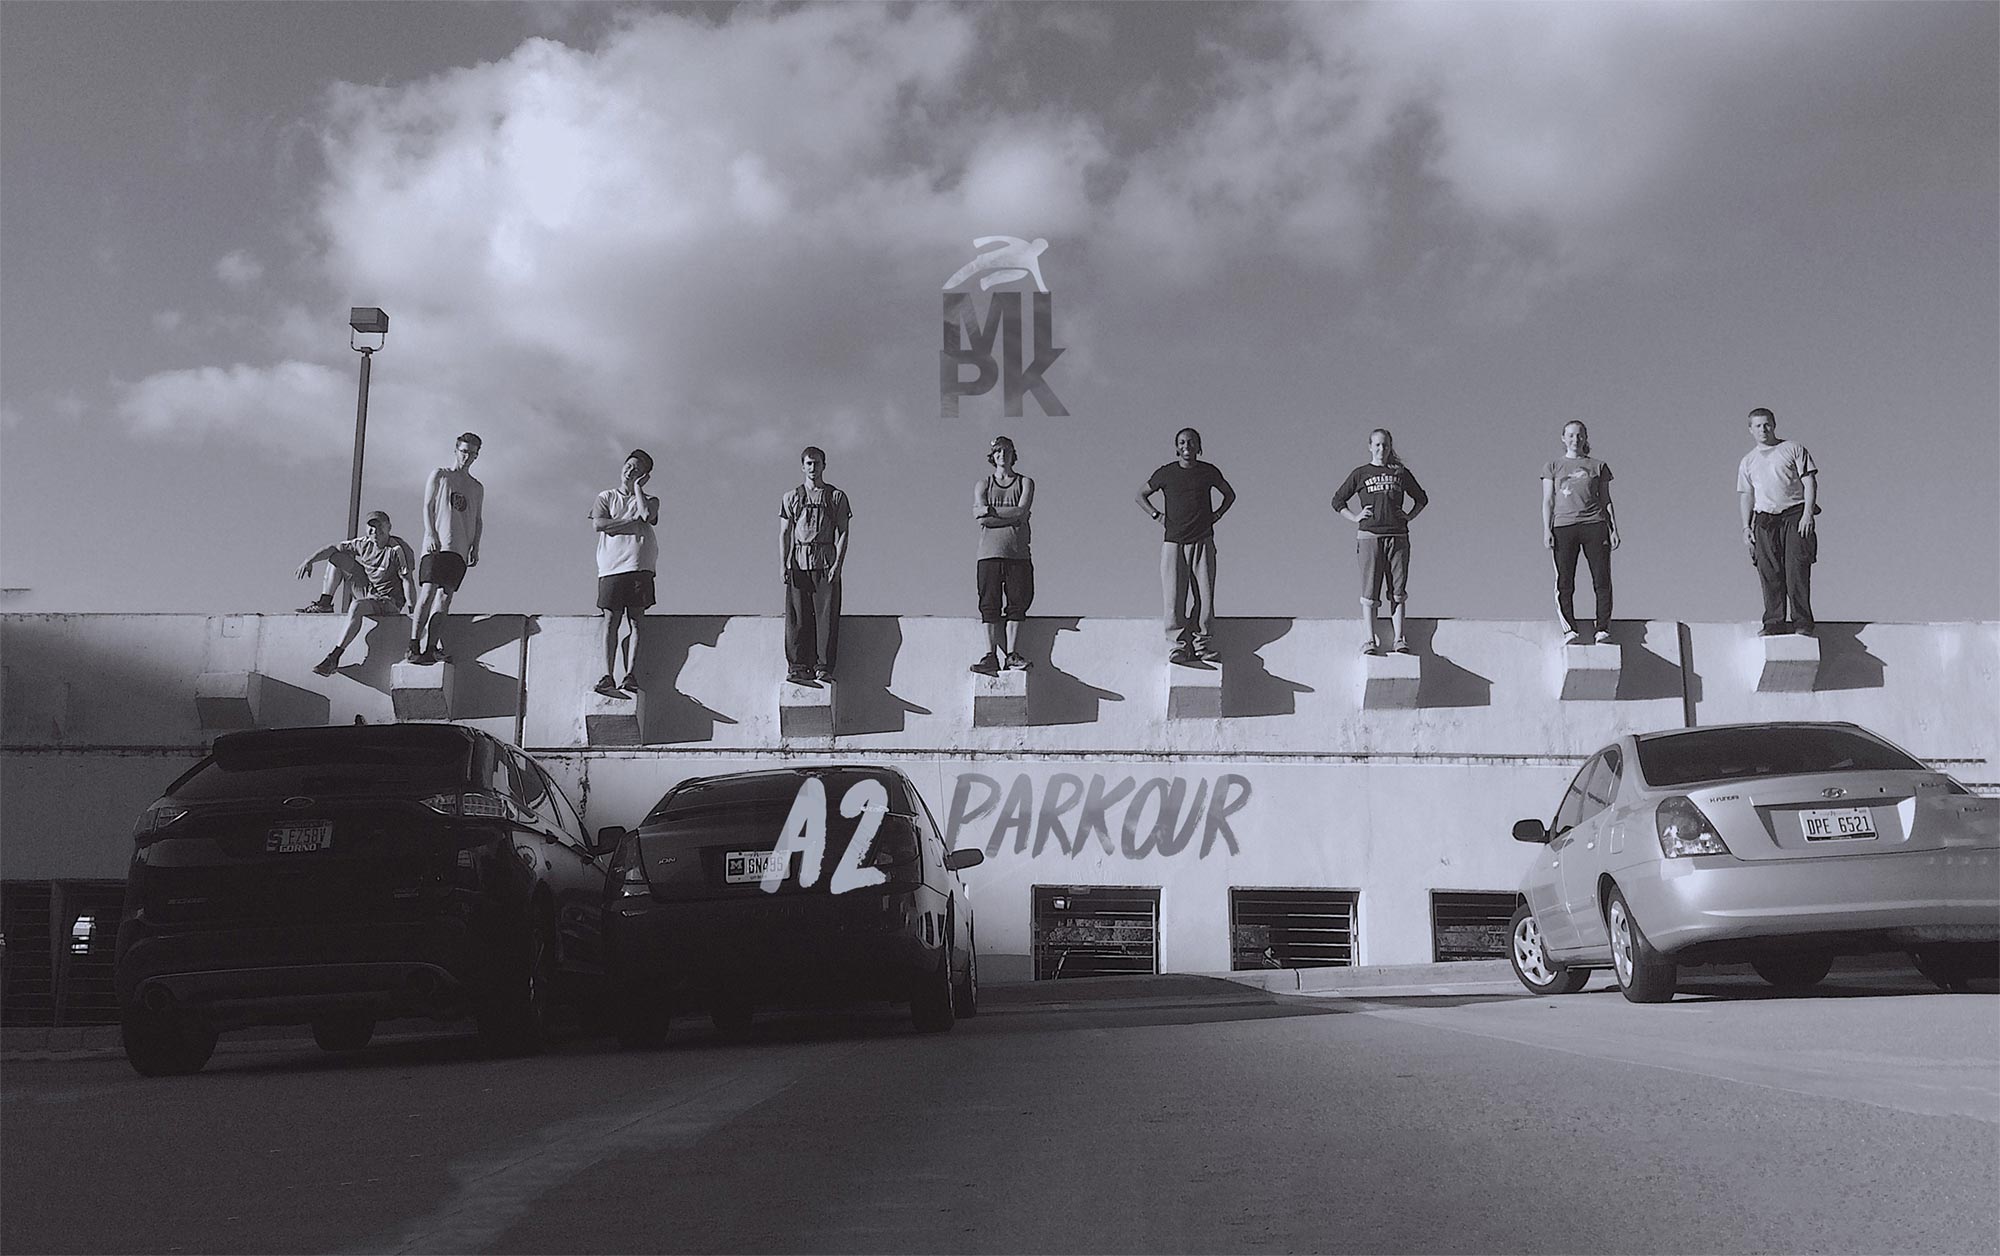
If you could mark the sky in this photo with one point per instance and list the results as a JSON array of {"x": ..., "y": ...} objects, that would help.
[{"x": 722, "y": 233}]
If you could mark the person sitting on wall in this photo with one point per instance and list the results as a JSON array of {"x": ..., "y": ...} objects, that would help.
[
  {"x": 1005, "y": 574},
  {"x": 380, "y": 572},
  {"x": 1382, "y": 536},
  {"x": 454, "y": 515},
  {"x": 1577, "y": 515},
  {"x": 813, "y": 523},
  {"x": 628, "y": 556},
  {"x": 1777, "y": 491},
  {"x": 1187, "y": 551}
]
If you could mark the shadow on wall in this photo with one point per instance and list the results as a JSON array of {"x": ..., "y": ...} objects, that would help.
[
  {"x": 288, "y": 706},
  {"x": 1645, "y": 674},
  {"x": 1444, "y": 683},
  {"x": 1251, "y": 690},
  {"x": 664, "y": 645},
  {"x": 383, "y": 645},
  {"x": 1844, "y": 662},
  {"x": 869, "y": 645},
  {"x": 480, "y": 692},
  {"x": 1054, "y": 695}
]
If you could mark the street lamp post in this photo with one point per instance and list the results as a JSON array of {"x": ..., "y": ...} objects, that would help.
[{"x": 364, "y": 320}]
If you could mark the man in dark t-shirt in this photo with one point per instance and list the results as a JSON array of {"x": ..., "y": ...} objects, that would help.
[{"x": 1187, "y": 552}]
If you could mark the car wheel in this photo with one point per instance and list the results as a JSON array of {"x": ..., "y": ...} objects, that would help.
[
  {"x": 1794, "y": 970},
  {"x": 965, "y": 996},
  {"x": 347, "y": 1032},
  {"x": 514, "y": 1019},
  {"x": 165, "y": 1044},
  {"x": 1954, "y": 966},
  {"x": 1531, "y": 960},
  {"x": 931, "y": 1008},
  {"x": 732, "y": 1017},
  {"x": 642, "y": 1021},
  {"x": 1644, "y": 975}
]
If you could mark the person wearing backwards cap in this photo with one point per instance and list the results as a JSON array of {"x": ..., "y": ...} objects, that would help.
[
  {"x": 380, "y": 571},
  {"x": 1001, "y": 502}
]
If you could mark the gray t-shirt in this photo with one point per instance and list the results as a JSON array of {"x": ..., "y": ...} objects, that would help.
[{"x": 1580, "y": 490}]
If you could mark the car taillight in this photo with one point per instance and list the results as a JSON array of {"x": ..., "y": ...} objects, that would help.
[
  {"x": 155, "y": 818},
  {"x": 478, "y": 805},
  {"x": 1685, "y": 831},
  {"x": 628, "y": 870}
]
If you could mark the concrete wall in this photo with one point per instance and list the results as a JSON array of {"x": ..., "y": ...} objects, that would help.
[{"x": 1299, "y": 785}]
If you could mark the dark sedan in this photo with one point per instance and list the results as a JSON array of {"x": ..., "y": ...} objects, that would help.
[
  {"x": 341, "y": 876},
  {"x": 813, "y": 887}
]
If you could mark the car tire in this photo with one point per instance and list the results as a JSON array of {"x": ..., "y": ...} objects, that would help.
[
  {"x": 165, "y": 1044},
  {"x": 1794, "y": 970},
  {"x": 1954, "y": 966},
  {"x": 1532, "y": 965},
  {"x": 348, "y": 1031},
  {"x": 642, "y": 1022},
  {"x": 965, "y": 995},
  {"x": 932, "y": 1009},
  {"x": 732, "y": 1017},
  {"x": 514, "y": 1018},
  {"x": 1644, "y": 975}
]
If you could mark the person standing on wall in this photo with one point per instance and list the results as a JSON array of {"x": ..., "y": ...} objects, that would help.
[
  {"x": 628, "y": 556},
  {"x": 1187, "y": 553},
  {"x": 1777, "y": 492},
  {"x": 379, "y": 570},
  {"x": 813, "y": 520},
  {"x": 1382, "y": 536},
  {"x": 454, "y": 513},
  {"x": 1577, "y": 516},
  {"x": 1001, "y": 502}
]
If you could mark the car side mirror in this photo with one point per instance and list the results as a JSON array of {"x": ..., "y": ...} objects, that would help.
[
  {"x": 967, "y": 857},
  {"x": 609, "y": 838},
  {"x": 1530, "y": 831}
]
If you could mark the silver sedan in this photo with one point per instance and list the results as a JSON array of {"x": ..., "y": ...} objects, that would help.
[{"x": 1777, "y": 845}]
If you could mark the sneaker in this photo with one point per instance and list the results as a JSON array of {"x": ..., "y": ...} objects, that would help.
[
  {"x": 1770, "y": 630},
  {"x": 1573, "y": 637},
  {"x": 1369, "y": 647},
  {"x": 608, "y": 687},
  {"x": 630, "y": 685},
  {"x": 822, "y": 674},
  {"x": 414, "y": 655},
  {"x": 1603, "y": 637},
  {"x": 1015, "y": 663},
  {"x": 987, "y": 665},
  {"x": 1807, "y": 631},
  {"x": 1183, "y": 657},
  {"x": 1403, "y": 647},
  {"x": 318, "y": 606},
  {"x": 1208, "y": 654},
  {"x": 799, "y": 675},
  {"x": 328, "y": 665}
]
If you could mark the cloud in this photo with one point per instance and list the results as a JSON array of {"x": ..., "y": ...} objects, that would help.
[{"x": 239, "y": 270}]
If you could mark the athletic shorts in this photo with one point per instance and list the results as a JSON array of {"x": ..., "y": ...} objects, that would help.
[
  {"x": 1006, "y": 587},
  {"x": 1385, "y": 564},
  {"x": 626, "y": 591},
  {"x": 442, "y": 568}
]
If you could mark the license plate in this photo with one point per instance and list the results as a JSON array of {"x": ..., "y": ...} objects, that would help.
[
  {"x": 745, "y": 865},
  {"x": 289, "y": 839},
  {"x": 1837, "y": 824}
]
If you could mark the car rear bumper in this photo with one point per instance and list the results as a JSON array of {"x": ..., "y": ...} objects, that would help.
[
  {"x": 697, "y": 953},
  {"x": 278, "y": 975},
  {"x": 1880, "y": 901}
]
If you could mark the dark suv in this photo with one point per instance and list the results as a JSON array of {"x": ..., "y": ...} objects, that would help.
[
  {"x": 341, "y": 876},
  {"x": 805, "y": 887}
]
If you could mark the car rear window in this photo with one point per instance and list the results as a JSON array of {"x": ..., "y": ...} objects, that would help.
[
  {"x": 1728, "y": 754},
  {"x": 318, "y": 762},
  {"x": 733, "y": 800}
]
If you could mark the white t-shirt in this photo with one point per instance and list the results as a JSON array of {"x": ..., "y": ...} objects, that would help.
[
  {"x": 619, "y": 552},
  {"x": 1775, "y": 476},
  {"x": 455, "y": 513}
]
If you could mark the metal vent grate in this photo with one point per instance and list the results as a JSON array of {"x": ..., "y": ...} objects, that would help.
[
  {"x": 87, "y": 941},
  {"x": 1291, "y": 928},
  {"x": 1470, "y": 924},
  {"x": 1094, "y": 931}
]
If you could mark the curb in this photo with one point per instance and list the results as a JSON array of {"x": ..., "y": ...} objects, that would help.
[{"x": 1375, "y": 977}]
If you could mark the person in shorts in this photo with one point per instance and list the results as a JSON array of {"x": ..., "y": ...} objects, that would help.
[
  {"x": 1777, "y": 490},
  {"x": 628, "y": 557},
  {"x": 1577, "y": 518},
  {"x": 379, "y": 571},
  {"x": 813, "y": 519},
  {"x": 1189, "y": 511},
  {"x": 454, "y": 512},
  {"x": 1005, "y": 575},
  {"x": 1382, "y": 535}
]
